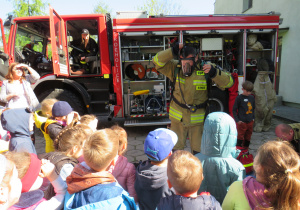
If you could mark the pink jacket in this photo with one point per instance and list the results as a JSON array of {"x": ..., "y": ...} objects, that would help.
[{"x": 124, "y": 172}]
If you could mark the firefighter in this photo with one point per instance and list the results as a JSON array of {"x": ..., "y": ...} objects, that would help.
[
  {"x": 190, "y": 94},
  {"x": 88, "y": 47},
  {"x": 291, "y": 133}
]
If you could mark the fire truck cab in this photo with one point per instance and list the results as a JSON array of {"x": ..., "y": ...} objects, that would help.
[{"x": 120, "y": 79}]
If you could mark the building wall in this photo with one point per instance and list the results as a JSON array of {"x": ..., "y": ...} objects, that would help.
[{"x": 289, "y": 87}]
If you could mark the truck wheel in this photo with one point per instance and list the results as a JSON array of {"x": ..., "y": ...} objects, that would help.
[
  {"x": 64, "y": 95},
  {"x": 218, "y": 100}
]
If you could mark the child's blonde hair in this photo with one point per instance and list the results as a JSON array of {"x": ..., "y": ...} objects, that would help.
[
  {"x": 184, "y": 172},
  {"x": 122, "y": 138},
  {"x": 46, "y": 106},
  {"x": 21, "y": 160},
  {"x": 68, "y": 138},
  {"x": 100, "y": 149},
  {"x": 88, "y": 131},
  {"x": 280, "y": 165},
  {"x": 86, "y": 119}
]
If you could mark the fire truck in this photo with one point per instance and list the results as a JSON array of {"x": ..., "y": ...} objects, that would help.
[{"x": 121, "y": 81}]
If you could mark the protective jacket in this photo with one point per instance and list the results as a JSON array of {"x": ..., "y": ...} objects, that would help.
[
  {"x": 218, "y": 155},
  {"x": 40, "y": 122},
  {"x": 194, "y": 87},
  {"x": 265, "y": 99}
]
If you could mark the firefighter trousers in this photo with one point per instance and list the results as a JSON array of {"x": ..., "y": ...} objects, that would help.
[{"x": 193, "y": 132}]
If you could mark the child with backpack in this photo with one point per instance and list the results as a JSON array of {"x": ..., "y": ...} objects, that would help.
[{"x": 40, "y": 118}]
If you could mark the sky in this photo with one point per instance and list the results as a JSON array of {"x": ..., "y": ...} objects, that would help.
[{"x": 65, "y": 7}]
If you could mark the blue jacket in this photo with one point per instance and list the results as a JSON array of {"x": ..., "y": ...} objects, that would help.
[
  {"x": 178, "y": 202},
  {"x": 218, "y": 155},
  {"x": 102, "y": 196}
]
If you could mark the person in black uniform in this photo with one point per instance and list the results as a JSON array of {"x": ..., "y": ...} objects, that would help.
[{"x": 83, "y": 48}]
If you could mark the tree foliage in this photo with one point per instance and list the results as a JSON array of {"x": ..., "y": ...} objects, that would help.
[
  {"x": 101, "y": 8},
  {"x": 158, "y": 7},
  {"x": 24, "y": 8}
]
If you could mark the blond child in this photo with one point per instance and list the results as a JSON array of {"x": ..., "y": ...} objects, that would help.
[
  {"x": 124, "y": 171},
  {"x": 90, "y": 185},
  {"x": 151, "y": 175},
  {"x": 185, "y": 175},
  {"x": 40, "y": 118},
  {"x": 10, "y": 184},
  {"x": 31, "y": 171},
  {"x": 90, "y": 120},
  {"x": 68, "y": 149}
]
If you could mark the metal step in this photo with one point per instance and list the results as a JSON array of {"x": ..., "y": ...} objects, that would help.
[
  {"x": 147, "y": 122},
  {"x": 97, "y": 90},
  {"x": 99, "y": 102}
]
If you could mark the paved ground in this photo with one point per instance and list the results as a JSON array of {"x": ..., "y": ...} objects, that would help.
[{"x": 137, "y": 135}]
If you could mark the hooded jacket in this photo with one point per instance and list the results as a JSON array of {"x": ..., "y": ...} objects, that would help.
[
  {"x": 218, "y": 155},
  {"x": 16, "y": 121},
  {"x": 151, "y": 185},
  {"x": 178, "y": 202},
  {"x": 124, "y": 172}
]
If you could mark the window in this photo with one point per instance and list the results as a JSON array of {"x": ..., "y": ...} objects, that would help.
[{"x": 247, "y": 4}]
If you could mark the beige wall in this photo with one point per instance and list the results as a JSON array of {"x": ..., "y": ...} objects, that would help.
[{"x": 289, "y": 87}]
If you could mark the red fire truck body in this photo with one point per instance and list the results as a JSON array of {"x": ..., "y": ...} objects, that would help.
[{"x": 121, "y": 80}]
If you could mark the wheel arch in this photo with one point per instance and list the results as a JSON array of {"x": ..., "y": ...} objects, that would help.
[{"x": 67, "y": 84}]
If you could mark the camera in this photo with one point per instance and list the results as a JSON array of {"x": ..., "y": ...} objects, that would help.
[{"x": 22, "y": 68}]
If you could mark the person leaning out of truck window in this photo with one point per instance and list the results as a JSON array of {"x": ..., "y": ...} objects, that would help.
[
  {"x": 16, "y": 91},
  {"x": 88, "y": 46}
]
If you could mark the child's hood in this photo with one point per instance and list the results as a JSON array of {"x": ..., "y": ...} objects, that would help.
[
  {"x": 16, "y": 121},
  {"x": 151, "y": 177},
  {"x": 219, "y": 136}
]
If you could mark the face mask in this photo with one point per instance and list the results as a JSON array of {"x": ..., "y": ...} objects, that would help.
[{"x": 187, "y": 68}]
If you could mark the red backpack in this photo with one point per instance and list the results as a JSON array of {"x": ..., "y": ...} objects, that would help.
[{"x": 246, "y": 159}]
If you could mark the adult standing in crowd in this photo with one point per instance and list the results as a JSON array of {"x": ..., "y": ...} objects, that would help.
[
  {"x": 291, "y": 133},
  {"x": 16, "y": 90},
  {"x": 189, "y": 97}
]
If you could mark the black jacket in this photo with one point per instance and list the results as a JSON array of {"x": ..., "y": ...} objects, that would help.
[{"x": 178, "y": 202}]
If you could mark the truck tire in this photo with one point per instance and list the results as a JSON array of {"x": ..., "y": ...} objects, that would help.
[
  {"x": 64, "y": 95},
  {"x": 218, "y": 100}
]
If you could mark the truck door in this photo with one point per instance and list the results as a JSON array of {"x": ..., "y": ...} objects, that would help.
[
  {"x": 58, "y": 44},
  {"x": 3, "y": 53}
]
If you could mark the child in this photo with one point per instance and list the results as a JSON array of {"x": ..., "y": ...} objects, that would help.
[
  {"x": 124, "y": 171},
  {"x": 185, "y": 176},
  {"x": 31, "y": 171},
  {"x": 19, "y": 122},
  {"x": 90, "y": 120},
  {"x": 10, "y": 184},
  {"x": 62, "y": 116},
  {"x": 151, "y": 175},
  {"x": 243, "y": 112},
  {"x": 40, "y": 118},
  {"x": 69, "y": 146},
  {"x": 218, "y": 155},
  {"x": 90, "y": 185},
  {"x": 277, "y": 183}
]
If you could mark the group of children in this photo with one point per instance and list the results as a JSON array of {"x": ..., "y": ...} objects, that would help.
[{"x": 85, "y": 168}]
